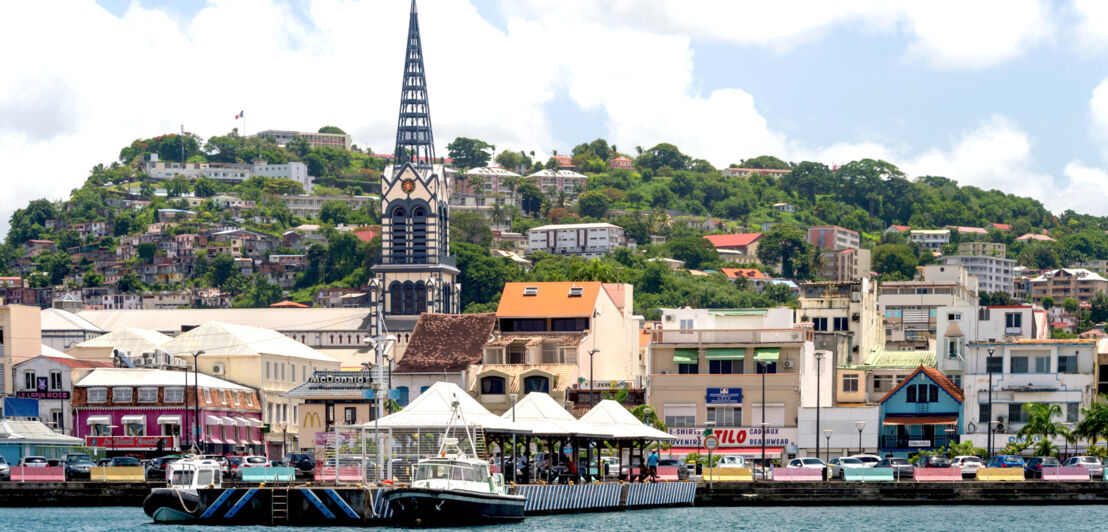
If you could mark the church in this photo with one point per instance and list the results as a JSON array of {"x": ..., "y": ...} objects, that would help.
[{"x": 415, "y": 272}]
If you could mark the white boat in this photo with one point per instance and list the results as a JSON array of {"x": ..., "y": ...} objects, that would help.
[
  {"x": 180, "y": 501},
  {"x": 454, "y": 488}
]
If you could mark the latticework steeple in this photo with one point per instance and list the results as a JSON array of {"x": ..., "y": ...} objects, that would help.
[{"x": 414, "y": 141}]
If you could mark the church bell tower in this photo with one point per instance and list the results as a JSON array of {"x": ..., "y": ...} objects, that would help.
[{"x": 416, "y": 272}]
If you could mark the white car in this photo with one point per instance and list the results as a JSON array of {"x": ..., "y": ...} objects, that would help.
[
  {"x": 836, "y": 466},
  {"x": 1092, "y": 463},
  {"x": 33, "y": 461},
  {"x": 969, "y": 465},
  {"x": 251, "y": 461},
  {"x": 731, "y": 461},
  {"x": 806, "y": 463},
  {"x": 869, "y": 459}
]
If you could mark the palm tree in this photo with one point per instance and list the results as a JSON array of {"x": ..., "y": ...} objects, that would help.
[
  {"x": 648, "y": 416},
  {"x": 1094, "y": 424},
  {"x": 497, "y": 214},
  {"x": 1040, "y": 422},
  {"x": 593, "y": 270}
]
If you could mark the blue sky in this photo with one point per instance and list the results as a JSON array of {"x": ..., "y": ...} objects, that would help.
[{"x": 995, "y": 94}]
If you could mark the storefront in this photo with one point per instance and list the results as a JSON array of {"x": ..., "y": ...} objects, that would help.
[{"x": 741, "y": 441}]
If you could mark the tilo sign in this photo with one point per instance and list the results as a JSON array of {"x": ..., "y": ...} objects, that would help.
[{"x": 735, "y": 437}]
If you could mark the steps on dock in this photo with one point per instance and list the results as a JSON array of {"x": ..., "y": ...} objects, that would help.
[{"x": 279, "y": 505}]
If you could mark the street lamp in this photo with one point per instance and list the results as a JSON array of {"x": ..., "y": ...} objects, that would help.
[
  {"x": 762, "y": 367},
  {"x": 199, "y": 436},
  {"x": 827, "y": 433},
  {"x": 515, "y": 459},
  {"x": 989, "y": 368},
  {"x": 819, "y": 367},
  {"x": 861, "y": 425},
  {"x": 592, "y": 398}
]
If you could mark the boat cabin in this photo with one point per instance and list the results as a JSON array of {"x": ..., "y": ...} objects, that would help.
[{"x": 193, "y": 473}]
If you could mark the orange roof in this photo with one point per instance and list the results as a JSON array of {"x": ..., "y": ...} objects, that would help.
[
  {"x": 936, "y": 376},
  {"x": 551, "y": 300},
  {"x": 288, "y": 304},
  {"x": 1002, "y": 227},
  {"x": 901, "y": 228},
  {"x": 644, "y": 338},
  {"x": 749, "y": 273},
  {"x": 365, "y": 236},
  {"x": 733, "y": 240},
  {"x": 79, "y": 363}
]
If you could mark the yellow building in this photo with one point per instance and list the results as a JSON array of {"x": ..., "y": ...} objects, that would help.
[
  {"x": 20, "y": 339},
  {"x": 330, "y": 399},
  {"x": 263, "y": 359}
]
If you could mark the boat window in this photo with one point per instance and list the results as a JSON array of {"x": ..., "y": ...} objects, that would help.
[
  {"x": 432, "y": 471},
  {"x": 204, "y": 477},
  {"x": 464, "y": 473},
  {"x": 182, "y": 478}
]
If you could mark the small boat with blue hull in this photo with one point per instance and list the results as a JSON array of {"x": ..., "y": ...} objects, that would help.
[{"x": 180, "y": 502}]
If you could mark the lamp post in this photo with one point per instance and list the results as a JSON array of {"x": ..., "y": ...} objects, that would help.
[
  {"x": 515, "y": 459},
  {"x": 827, "y": 433},
  {"x": 819, "y": 367},
  {"x": 861, "y": 425},
  {"x": 989, "y": 368},
  {"x": 592, "y": 395},
  {"x": 762, "y": 368},
  {"x": 199, "y": 439}
]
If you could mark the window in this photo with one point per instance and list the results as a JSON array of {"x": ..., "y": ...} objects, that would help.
[
  {"x": 687, "y": 369},
  {"x": 97, "y": 395},
  {"x": 55, "y": 380},
  {"x": 121, "y": 395},
  {"x": 1072, "y": 410},
  {"x": 350, "y": 415},
  {"x": 531, "y": 291},
  {"x": 954, "y": 317},
  {"x": 994, "y": 364},
  {"x": 492, "y": 386},
  {"x": 1019, "y": 365},
  {"x": 922, "y": 393},
  {"x": 148, "y": 395},
  {"x": 283, "y": 370},
  {"x": 249, "y": 399},
  {"x": 576, "y": 291},
  {"x": 983, "y": 415},
  {"x": 983, "y": 314},
  {"x": 174, "y": 395},
  {"x": 725, "y": 367},
  {"x": 726, "y": 416},
  {"x": 56, "y": 419},
  {"x": 402, "y": 395},
  {"x": 1016, "y": 413},
  {"x": 819, "y": 324},
  {"x": 1013, "y": 320},
  {"x": 686, "y": 324},
  {"x": 268, "y": 375},
  {"x": 269, "y": 416},
  {"x": 207, "y": 396},
  {"x": 957, "y": 380},
  {"x": 303, "y": 373},
  {"x": 1068, "y": 364},
  {"x": 1042, "y": 364},
  {"x": 882, "y": 383},
  {"x": 842, "y": 324},
  {"x": 536, "y": 383},
  {"x": 222, "y": 396},
  {"x": 29, "y": 380},
  {"x": 850, "y": 383},
  {"x": 680, "y": 415},
  {"x": 952, "y": 348},
  {"x": 134, "y": 429},
  {"x": 101, "y": 430}
]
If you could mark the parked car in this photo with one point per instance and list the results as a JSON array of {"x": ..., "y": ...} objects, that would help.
[
  {"x": 224, "y": 464},
  {"x": 77, "y": 466},
  {"x": 1092, "y": 463},
  {"x": 124, "y": 461},
  {"x": 33, "y": 461},
  {"x": 1005, "y": 460},
  {"x": 968, "y": 464},
  {"x": 103, "y": 462},
  {"x": 869, "y": 459},
  {"x": 304, "y": 463},
  {"x": 156, "y": 471},
  {"x": 806, "y": 463},
  {"x": 901, "y": 466},
  {"x": 836, "y": 465},
  {"x": 931, "y": 461},
  {"x": 1034, "y": 466},
  {"x": 682, "y": 471},
  {"x": 731, "y": 461},
  {"x": 250, "y": 461},
  {"x": 5, "y": 469}
]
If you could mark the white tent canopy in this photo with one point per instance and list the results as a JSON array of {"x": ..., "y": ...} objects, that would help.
[
  {"x": 541, "y": 414},
  {"x": 431, "y": 410},
  {"x": 611, "y": 417}
]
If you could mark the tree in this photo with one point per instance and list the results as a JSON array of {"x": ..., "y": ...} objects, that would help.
[
  {"x": 129, "y": 283},
  {"x": 663, "y": 156},
  {"x": 1048, "y": 302},
  {"x": 146, "y": 251},
  {"x": 593, "y": 270},
  {"x": 1040, "y": 422},
  {"x": 260, "y": 294},
  {"x": 531, "y": 198},
  {"x": 470, "y": 227},
  {"x": 177, "y": 186},
  {"x": 56, "y": 265},
  {"x": 1094, "y": 423},
  {"x": 593, "y": 204},
  {"x": 204, "y": 187},
  {"x": 93, "y": 279},
  {"x": 779, "y": 293},
  {"x": 785, "y": 244},
  {"x": 469, "y": 153},
  {"x": 332, "y": 129},
  {"x": 1070, "y": 305},
  {"x": 222, "y": 270},
  {"x": 765, "y": 162},
  {"x": 335, "y": 212},
  {"x": 895, "y": 261},
  {"x": 483, "y": 276},
  {"x": 694, "y": 250},
  {"x": 648, "y": 416}
]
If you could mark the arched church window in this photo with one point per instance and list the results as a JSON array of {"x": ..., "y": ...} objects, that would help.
[
  {"x": 396, "y": 298},
  {"x": 399, "y": 235}
]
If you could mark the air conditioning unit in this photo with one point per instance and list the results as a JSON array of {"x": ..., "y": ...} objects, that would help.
[
  {"x": 788, "y": 363},
  {"x": 669, "y": 317},
  {"x": 217, "y": 369},
  {"x": 1000, "y": 422}
]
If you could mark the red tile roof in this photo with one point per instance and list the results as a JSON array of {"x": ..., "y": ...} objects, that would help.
[
  {"x": 1002, "y": 227},
  {"x": 365, "y": 236},
  {"x": 936, "y": 376},
  {"x": 288, "y": 304},
  {"x": 447, "y": 342},
  {"x": 749, "y": 273},
  {"x": 901, "y": 228},
  {"x": 734, "y": 240},
  {"x": 78, "y": 363}
]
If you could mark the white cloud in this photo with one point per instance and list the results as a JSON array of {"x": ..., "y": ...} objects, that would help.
[
  {"x": 1091, "y": 33},
  {"x": 1098, "y": 114},
  {"x": 1086, "y": 192}
]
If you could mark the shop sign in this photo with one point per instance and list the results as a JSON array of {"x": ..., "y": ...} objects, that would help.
[
  {"x": 43, "y": 395},
  {"x": 735, "y": 437},
  {"x": 724, "y": 396},
  {"x": 132, "y": 443},
  {"x": 919, "y": 443}
]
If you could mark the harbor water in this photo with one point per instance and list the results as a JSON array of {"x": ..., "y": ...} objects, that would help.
[{"x": 852, "y": 518}]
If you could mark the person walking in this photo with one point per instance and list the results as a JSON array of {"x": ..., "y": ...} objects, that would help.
[{"x": 652, "y": 463}]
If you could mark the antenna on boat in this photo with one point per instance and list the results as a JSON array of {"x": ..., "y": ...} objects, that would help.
[{"x": 456, "y": 414}]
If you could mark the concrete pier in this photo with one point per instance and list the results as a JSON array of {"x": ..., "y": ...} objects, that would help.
[
  {"x": 30, "y": 494},
  {"x": 899, "y": 493}
]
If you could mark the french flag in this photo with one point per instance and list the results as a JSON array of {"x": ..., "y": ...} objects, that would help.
[{"x": 240, "y": 115}]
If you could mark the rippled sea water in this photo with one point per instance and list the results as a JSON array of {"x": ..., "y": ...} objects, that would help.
[{"x": 846, "y": 518}]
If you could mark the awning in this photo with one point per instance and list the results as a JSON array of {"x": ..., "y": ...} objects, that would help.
[
  {"x": 214, "y": 420},
  {"x": 244, "y": 421},
  {"x": 921, "y": 420},
  {"x": 208, "y": 438},
  {"x": 99, "y": 420},
  {"x": 745, "y": 452},
  {"x": 255, "y": 442},
  {"x": 767, "y": 354},
  {"x": 726, "y": 353},
  {"x": 133, "y": 419},
  {"x": 685, "y": 356},
  {"x": 169, "y": 420},
  {"x": 230, "y": 421}
]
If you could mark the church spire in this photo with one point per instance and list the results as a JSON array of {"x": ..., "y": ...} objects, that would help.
[{"x": 414, "y": 141}]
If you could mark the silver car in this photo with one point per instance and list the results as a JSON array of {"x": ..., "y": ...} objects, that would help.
[
  {"x": 968, "y": 464},
  {"x": 836, "y": 466},
  {"x": 5, "y": 469},
  {"x": 1092, "y": 463}
]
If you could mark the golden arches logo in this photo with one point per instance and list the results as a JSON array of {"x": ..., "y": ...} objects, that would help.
[{"x": 311, "y": 419}]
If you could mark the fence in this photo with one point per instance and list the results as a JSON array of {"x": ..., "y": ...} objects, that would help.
[
  {"x": 37, "y": 474},
  {"x": 797, "y": 475},
  {"x": 117, "y": 474},
  {"x": 937, "y": 474},
  {"x": 869, "y": 474},
  {"x": 1066, "y": 474},
  {"x": 1000, "y": 474},
  {"x": 362, "y": 455},
  {"x": 267, "y": 474},
  {"x": 728, "y": 474}
]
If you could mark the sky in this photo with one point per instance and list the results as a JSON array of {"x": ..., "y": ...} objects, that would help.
[{"x": 1011, "y": 94}]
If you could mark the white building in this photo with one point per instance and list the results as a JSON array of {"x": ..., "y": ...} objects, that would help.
[
  {"x": 911, "y": 307},
  {"x": 1057, "y": 372},
  {"x": 296, "y": 171},
  {"x": 957, "y": 327},
  {"x": 994, "y": 274},
  {"x": 933, "y": 239},
  {"x": 586, "y": 240},
  {"x": 228, "y": 172},
  {"x": 317, "y": 140},
  {"x": 309, "y": 206},
  {"x": 554, "y": 181},
  {"x": 49, "y": 380}
]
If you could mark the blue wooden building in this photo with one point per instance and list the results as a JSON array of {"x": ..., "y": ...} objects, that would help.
[{"x": 921, "y": 413}]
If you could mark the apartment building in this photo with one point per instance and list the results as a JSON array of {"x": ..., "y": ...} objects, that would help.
[
  {"x": 1065, "y": 283},
  {"x": 910, "y": 308},
  {"x": 748, "y": 172},
  {"x": 845, "y": 265},
  {"x": 832, "y": 237},
  {"x": 958, "y": 327},
  {"x": 585, "y": 240},
  {"x": 309, "y": 206},
  {"x": 844, "y": 318},
  {"x": 340, "y": 141},
  {"x": 994, "y": 274},
  {"x": 553, "y": 182},
  {"x": 932, "y": 239},
  {"x": 982, "y": 249}
]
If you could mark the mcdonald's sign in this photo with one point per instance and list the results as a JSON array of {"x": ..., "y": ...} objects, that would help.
[{"x": 311, "y": 419}]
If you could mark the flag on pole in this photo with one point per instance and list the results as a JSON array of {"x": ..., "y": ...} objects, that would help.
[{"x": 240, "y": 115}]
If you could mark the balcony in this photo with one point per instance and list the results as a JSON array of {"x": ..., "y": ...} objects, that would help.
[{"x": 731, "y": 336}]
